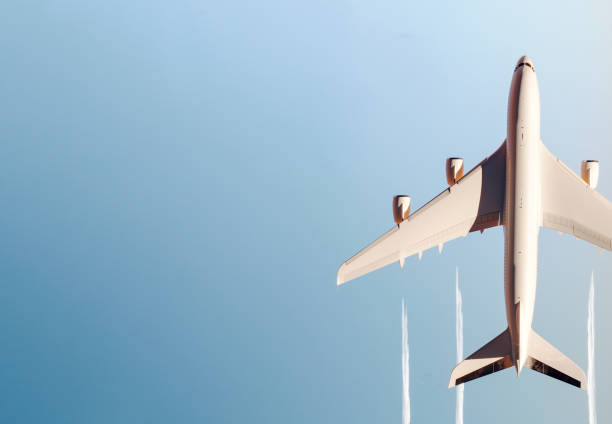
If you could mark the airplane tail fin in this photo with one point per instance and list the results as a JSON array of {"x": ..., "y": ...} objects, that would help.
[
  {"x": 545, "y": 358},
  {"x": 492, "y": 357}
]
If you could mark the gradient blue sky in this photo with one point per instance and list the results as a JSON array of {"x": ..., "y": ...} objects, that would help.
[{"x": 180, "y": 181}]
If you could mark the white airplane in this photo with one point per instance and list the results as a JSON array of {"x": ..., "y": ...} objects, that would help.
[{"x": 523, "y": 187}]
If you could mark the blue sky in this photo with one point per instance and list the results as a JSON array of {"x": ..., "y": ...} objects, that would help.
[{"x": 181, "y": 181}]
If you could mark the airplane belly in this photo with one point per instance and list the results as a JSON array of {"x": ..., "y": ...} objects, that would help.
[
  {"x": 521, "y": 215},
  {"x": 526, "y": 229}
]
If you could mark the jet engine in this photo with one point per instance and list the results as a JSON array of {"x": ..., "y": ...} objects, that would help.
[
  {"x": 589, "y": 169},
  {"x": 401, "y": 208},
  {"x": 454, "y": 170}
]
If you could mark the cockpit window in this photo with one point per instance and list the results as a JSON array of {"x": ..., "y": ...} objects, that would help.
[{"x": 525, "y": 64}]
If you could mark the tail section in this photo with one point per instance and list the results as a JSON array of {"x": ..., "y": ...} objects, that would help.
[
  {"x": 497, "y": 355},
  {"x": 545, "y": 358},
  {"x": 492, "y": 357}
]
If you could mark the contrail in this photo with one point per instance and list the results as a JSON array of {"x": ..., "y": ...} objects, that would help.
[
  {"x": 459, "y": 332},
  {"x": 591, "y": 346},
  {"x": 405, "y": 368}
]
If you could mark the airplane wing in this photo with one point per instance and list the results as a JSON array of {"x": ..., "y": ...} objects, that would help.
[
  {"x": 474, "y": 203},
  {"x": 571, "y": 206}
]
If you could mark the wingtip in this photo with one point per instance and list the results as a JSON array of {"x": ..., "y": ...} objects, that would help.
[
  {"x": 584, "y": 382},
  {"x": 339, "y": 277},
  {"x": 452, "y": 381}
]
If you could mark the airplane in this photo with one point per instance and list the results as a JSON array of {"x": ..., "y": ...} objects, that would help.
[{"x": 522, "y": 186}]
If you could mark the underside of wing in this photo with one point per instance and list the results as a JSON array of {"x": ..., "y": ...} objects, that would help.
[
  {"x": 571, "y": 206},
  {"x": 548, "y": 360},
  {"x": 474, "y": 203}
]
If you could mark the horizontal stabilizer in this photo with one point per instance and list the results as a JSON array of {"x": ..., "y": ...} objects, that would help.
[
  {"x": 492, "y": 357},
  {"x": 545, "y": 358}
]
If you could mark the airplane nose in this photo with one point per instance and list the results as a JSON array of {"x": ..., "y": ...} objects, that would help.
[{"x": 526, "y": 61}]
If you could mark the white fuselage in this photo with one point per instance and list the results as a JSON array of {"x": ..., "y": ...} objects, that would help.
[{"x": 522, "y": 213}]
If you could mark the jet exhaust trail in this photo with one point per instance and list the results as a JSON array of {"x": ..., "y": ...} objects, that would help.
[
  {"x": 405, "y": 368},
  {"x": 591, "y": 348},
  {"x": 459, "y": 333}
]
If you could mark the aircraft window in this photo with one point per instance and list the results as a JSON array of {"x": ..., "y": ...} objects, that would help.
[{"x": 525, "y": 64}]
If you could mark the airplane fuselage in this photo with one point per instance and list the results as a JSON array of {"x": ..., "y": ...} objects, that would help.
[{"x": 521, "y": 217}]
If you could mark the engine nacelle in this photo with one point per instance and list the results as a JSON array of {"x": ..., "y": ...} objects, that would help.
[
  {"x": 454, "y": 170},
  {"x": 401, "y": 208},
  {"x": 589, "y": 169}
]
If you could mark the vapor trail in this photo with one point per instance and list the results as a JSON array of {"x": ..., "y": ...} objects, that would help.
[
  {"x": 591, "y": 347},
  {"x": 405, "y": 368},
  {"x": 459, "y": 333}
]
